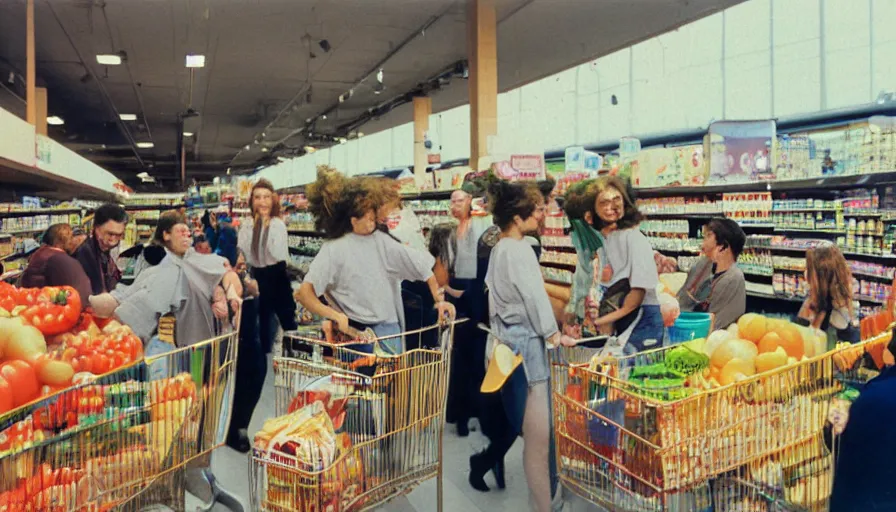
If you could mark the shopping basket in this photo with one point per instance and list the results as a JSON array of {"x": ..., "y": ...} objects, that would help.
[
  {"x": 385, "y": 413},
  {"x": 122, "y": 441}
]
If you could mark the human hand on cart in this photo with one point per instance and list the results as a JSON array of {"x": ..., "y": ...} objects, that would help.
[{"x": 447, "y": 312}]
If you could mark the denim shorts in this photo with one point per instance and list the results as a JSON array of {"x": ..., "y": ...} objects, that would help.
[{"x": 650, "y": 327}]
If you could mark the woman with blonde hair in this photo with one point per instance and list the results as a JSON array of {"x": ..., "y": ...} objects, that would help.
[
  {"x": 263, "y": 238},
  {"x": 830, "y": 305}
]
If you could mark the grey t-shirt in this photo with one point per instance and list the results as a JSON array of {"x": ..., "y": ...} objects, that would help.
[
  {"x": 516, "y": 288},
  {"x": 363, "y": 274},
  {"x": 630, "y": 255},
  {"x": 466, "y": 260},
  {"x": 728, "y": 300}
]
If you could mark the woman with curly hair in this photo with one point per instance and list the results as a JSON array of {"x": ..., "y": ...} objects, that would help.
[
  {"x": 830, "y": 305},
  {"x": 520, "y": 315},
  {"x": 622, "y": 295},
  {"x": 360, "y": 268}
]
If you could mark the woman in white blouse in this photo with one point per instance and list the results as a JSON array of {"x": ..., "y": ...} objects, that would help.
[{"x": 264, "y": 241}]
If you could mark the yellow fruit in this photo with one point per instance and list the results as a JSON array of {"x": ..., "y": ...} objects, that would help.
[
  {"x": 741, "y": 349},
  {"x": 771, "y": 360},
  {"x": 791, "y": 342},
  {"x": 736, "y": 369},
  {"x": 752, "y": 327}
]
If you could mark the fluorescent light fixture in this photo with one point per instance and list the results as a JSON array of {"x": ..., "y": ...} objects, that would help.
[
  {"x": 145, "y": 145},
  {"x": 128, "y": 117},
  {"x": 55, "y": 121},
  {"x": 310, "y": 149},
  {"x": 109, "y": 59},
  {"x": 195, "y": 61},
  {"x": 188, "y": 134}
]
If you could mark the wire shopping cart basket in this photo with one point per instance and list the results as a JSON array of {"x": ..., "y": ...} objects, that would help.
[
  {"x": 755, "y": 444},
  {"x": 356, "y": 427},
  {"x": 122, "y": 441}
]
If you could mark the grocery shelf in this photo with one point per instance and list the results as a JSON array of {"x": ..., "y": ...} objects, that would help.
[
  {"x": 756, "y": 225},
  {"x": 144, "y": 207},
  {"x": 806, "y": 230},
  {"x": 558, "y": 264},
  {"x": 687, "y": 215},
  {"x": 807, "y": 185},
  {"x": 25, "y": 231},
  {"x": 803, "y": 210},
  {"x": 773, "y": 297},
  {"x": 871, "y": 300},
  {"x": 32, "y": 213},
  {"x": 428, "y": 195},
  {"x": 870, "y": 275},
  {"x": 13, "y": 256}
]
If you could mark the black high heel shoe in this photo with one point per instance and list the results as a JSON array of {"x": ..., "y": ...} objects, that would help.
[
  {"x": 479, "y": 466},
  {"x": 499, "y": 474}
]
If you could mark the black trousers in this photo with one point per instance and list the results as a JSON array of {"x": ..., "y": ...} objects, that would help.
[
  {"x": 251, "y": 368},
  {"x": 275, "y": 302},
  {"x": 468, "y": 356}
]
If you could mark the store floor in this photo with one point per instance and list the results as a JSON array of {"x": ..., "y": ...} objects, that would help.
[{"x": 232, "y": 470}]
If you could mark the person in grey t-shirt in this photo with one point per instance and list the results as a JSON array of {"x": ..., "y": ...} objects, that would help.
[
  {"x": 723, "y": 241},
  {"x": 360, "y": 268}
]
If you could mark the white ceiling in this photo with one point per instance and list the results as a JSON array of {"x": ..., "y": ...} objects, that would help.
[{"x": 259, "y": 71}]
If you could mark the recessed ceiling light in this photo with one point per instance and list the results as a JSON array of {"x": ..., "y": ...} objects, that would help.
[
  {"x": 264, "y": 150},
  {"x": 324, "y": 117},
  {"x": 195, "y": 61},
  {"x": 145, "y": 145},
  {"x": 55, "y": 121},
  {"x": 246, "y": 147},
  {"x": 109, "y": 59},
  {"x": 128, "y": 117},
  {"x": 360, "y": 134},
  {"x": 188, "y": 134}
]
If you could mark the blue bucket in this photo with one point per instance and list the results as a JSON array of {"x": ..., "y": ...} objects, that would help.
[{"x": 690, "y": 326}]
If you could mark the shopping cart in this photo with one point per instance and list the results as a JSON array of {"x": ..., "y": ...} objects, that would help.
[
  {"x": 386, "y": 414},
  {"x": 123, "y": 441},
  {"x": 630, "y": 447}
]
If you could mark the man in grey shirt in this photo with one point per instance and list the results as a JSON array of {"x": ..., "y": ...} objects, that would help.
[{"x": 716, "y": 285}]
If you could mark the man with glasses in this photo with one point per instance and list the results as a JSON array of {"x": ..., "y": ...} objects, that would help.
[{"x": 109, "y": 223}]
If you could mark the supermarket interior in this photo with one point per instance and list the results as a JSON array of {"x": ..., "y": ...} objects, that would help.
[{"x": 336, "y": 256}]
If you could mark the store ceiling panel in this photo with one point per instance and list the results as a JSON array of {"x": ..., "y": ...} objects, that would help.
[{"x": 283, "y": 74}]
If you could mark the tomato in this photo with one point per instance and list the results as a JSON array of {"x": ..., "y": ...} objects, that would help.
[
  {"x": 100, "y": 364},
  {"x": 52, "y": 310},
  {"x": 8, "y": 296},
  {"x": 22, "y": 379},
  {"x": 5, "y": 396}
]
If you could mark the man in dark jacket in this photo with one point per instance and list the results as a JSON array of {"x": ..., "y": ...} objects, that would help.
[
  {"x": 865, "y": 475},
  {"x": 51, "y": 265},
  {"x": 109, "y": 222}
]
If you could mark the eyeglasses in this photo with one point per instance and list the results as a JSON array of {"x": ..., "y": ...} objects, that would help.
[{"x": 604, "y": 203}]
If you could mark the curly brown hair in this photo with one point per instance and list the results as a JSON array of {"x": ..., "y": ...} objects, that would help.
[
  {"x": 507, "y": 200},
  {"x": 383, "y": 192},
  {"x": 335, "y": 199},
  {"x": 829, "y": 277}
]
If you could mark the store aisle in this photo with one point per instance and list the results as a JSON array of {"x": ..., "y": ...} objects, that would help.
[{"x": 232, "y": 469}]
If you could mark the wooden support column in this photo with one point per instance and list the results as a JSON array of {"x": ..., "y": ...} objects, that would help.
[
  {"x": 40, "y": 100},
  {"x": 482, "y": 51},
  {"x": 30, "y": 66},
  {"x": 422, "y": 111}
]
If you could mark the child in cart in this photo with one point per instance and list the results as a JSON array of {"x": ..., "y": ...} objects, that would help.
[{"x": 359, "y": 268}]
